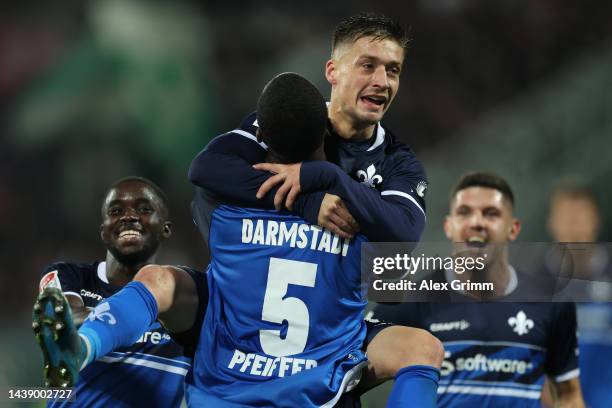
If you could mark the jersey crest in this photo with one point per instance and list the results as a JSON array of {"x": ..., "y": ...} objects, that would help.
[{"x": 369, "y": 177}]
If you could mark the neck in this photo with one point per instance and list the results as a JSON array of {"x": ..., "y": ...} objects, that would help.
[
  {"x": 496, "y": 272},
  {"x": 272, "y": 157},
  {"x": 119, "y": 274},
  {"x": 582, "y": 260},
  {"x": 347, "y": 128}
]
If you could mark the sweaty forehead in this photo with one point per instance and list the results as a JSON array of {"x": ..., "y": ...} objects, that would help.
[
  {"x": 380, "y": 48},
  {"x": 479, "y": 197},
  {"x": 131, "y": 191}
]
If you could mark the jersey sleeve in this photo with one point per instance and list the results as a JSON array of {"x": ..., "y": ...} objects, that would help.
[
  {"x": 230, "y": 157},
  {"x": 188, "y": 339},
  {"x": 562, "y": 356},
  {"x": 406, "y": 179},
  {"x": 63, "y": 276},
  {"x": 392, "y": 216},
  {"x": 404, "y": 314}
]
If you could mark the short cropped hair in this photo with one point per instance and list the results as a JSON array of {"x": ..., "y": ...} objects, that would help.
[
  {"x": 292, "y": 117},
  {"x": 137, "y": 179},
  {"x": 378, "y": 26},
  {"x": 483, "y": 179},
  {"x": 574, "y": 192}
]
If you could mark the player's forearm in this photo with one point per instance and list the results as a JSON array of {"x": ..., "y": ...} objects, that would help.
[
  {"x": 568, "y": 394},
  {"x": 570, "y": 402},
  {"x": 79, "y": 315},
  {"x": 380, "y": 219},
  {"x": 231, "y": 178}
]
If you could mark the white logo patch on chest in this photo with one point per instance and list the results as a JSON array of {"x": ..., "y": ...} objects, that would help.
[
  {"x": 369, "y": 176},
  {"x": 520, "y": 323}
]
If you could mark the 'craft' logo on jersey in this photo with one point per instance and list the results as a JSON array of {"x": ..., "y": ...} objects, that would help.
[
  {"x": 87, "y": 293},
  {"x": 448, "y": 326},
  {"x": 520, "y": 323},
  {"x": 100, "y": 312},
  {"x": 369, "y": 177}
]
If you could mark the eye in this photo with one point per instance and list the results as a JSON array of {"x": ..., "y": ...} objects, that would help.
[
  {"x": 367, "y": 65},
  {"x": 114, "y": 211},
  {"x": 145, "y": 209},
  {"x": 492, "y": 213},
  {"x": 394, "y": 71},
  {"x": 463, "y": 211}
]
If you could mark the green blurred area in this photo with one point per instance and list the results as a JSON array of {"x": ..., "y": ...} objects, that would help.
[{"x": 140, "y": 87}]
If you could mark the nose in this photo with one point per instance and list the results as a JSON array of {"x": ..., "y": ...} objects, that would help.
[
  {"x": 130, "y": 214},
  {"x": 380, "y": 78},
  {"x": 476, "y": 221}
]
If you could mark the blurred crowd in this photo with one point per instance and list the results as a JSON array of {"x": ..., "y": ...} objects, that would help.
[{"x": 94, "y": 91}]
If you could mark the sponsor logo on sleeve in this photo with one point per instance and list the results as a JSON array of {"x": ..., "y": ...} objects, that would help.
[
  {"x": 421, "y": 188},
  {"x": 50, "y": 280}
]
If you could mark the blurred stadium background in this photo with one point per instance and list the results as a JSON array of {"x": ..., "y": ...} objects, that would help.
[{"x": 93, "y": 91}]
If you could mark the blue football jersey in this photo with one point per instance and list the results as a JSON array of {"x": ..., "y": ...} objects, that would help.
[
  {"x": 284, "y": 324},
  {"x": 149, "y": 373},
  {"x": 595, "y": 345},
  {"x": 380, "y": 180},
  {"x": 496, "y": 354}
]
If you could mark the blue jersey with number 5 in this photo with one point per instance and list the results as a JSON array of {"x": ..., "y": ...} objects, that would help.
[{"x": 284, "y": 322}]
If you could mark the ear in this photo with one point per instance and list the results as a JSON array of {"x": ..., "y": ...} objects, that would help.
[
  {"x": 102, "y": 232},
  {"x": 167, "y": 230},
  {"x": 550, "y": 225},
  {"x": 330, "y": 72},
  {"x": 447, "y": 228},
  {"x": 514, "y": 230}
]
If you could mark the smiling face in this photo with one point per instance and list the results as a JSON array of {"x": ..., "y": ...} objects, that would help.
[
  {"x": 480, "y": 216},
  {"x": 364, "y": 76},
  {"x": 573, "y": 219},
  {"x": 134, "y": 221}
]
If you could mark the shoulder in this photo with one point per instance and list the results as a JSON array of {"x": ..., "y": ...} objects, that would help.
[
  {"x": 249, "y": 123},
  {"x": 244, "y": 135},
  {"x": 59, "y": 274},
  {"x": 63, "y": 267},
  {"x": 399, "y": 155},
  {"x": 191, "y": 271}
]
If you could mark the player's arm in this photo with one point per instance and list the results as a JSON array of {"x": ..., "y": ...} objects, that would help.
[
  {"x": 395, "y": 214},
  {"x": 66, "y": 278},
  {"x": 175, "y": 292},
  {"x": 78, "y": 309},
  {"x": 562, "y": 358},
  {"x": 567, "y": 394},
  {"x": 225, "y": 168}
]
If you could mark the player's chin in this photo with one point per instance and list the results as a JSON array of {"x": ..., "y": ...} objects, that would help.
[
  {"x": 372, "y": 115},
  {"x": 130, "y": 248},
  {"x": 370, "y": 118}
]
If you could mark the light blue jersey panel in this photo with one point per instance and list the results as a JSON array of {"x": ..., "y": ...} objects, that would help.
[
  {"x": 595, "y": 341},
  {"x": 284, "y": 324}
]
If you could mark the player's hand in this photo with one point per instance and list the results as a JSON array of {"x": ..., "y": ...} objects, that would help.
[
  {"x": 288, "y": 175},
  {"x": 335, "y": 217}
]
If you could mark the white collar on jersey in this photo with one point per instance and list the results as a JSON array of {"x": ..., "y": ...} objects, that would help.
[
  {"x": 380, "y": 134},
  {"x": 102, "y": 272},
  {"x": 512, "y": 282},
  {"x": 380, "y": 137}
]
